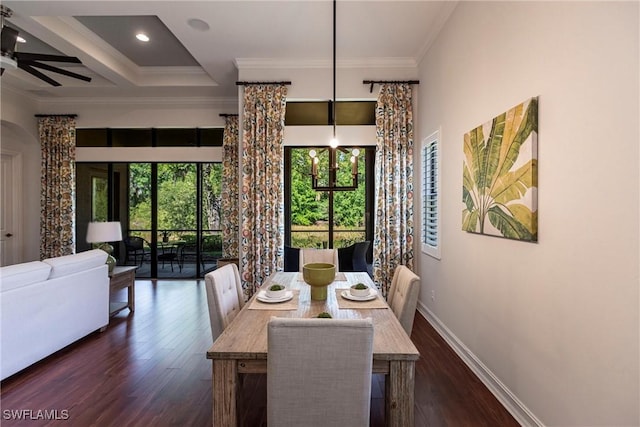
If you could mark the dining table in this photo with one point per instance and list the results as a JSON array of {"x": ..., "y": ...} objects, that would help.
[{"x": 242, "y": 346}]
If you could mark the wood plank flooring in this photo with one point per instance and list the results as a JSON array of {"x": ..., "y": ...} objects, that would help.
[{"x": 149, "y": 369}]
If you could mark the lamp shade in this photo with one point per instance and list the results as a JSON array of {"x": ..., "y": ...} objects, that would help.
[{"x": 100, "y": 232}]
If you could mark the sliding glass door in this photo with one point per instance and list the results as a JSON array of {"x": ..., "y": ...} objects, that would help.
[{"x": 170, "y": 213}]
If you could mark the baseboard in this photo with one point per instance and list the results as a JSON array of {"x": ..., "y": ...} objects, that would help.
[{"x": 511, "y": 403}]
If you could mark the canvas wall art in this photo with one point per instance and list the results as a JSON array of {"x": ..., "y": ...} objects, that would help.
[{"x": 500, "y": 175}]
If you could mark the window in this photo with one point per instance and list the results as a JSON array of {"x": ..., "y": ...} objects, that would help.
[
  {"x": 326, "y": 219},
  {"x": 430, "y": 195}
]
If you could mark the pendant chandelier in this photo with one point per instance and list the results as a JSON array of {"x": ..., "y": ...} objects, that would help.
[{"x": 335, "y": 152}]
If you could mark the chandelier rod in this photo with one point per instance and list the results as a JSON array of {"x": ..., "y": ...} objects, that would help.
[{"x": 333, "y": 104}]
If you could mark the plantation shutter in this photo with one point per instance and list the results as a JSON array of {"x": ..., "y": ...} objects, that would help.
[{"x": 430, "y": 194}]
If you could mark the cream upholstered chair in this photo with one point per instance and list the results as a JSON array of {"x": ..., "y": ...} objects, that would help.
[
  {"x": 224, "y": 296},
  {"x": 403, "y": 296},
  {"x": 318, "y": 255},
  {"x": 319, "y": 372}
]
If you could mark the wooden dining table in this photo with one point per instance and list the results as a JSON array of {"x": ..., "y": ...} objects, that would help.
[{"x": 242, "y": 347}]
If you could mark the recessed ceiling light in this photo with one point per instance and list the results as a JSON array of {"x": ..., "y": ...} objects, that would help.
[
  {"x": 198, "y": 24},
  {"x": 21, "y": 40},
  {"x": 142, "y": 37}
]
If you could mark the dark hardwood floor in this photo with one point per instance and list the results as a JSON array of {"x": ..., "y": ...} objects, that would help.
[{"x": 150, "y": 369}]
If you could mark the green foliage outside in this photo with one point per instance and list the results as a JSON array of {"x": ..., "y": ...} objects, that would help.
[
  {"x": 99, "y": 202},
  {"x": 309, "y": 208},
  {"x": 176, "y": 199}
]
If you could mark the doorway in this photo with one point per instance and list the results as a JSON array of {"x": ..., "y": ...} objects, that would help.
[
  {"x": 11, "y": 210},
  {"x": 170, "y": 214}
]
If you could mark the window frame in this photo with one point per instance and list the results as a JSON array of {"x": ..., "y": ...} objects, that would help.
[
  {"x": 428, "y": 157},
  {"x": 369, "y": 151}
]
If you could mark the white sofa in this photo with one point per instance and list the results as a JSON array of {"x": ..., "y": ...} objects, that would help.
[{"x": 47, "y": 305}]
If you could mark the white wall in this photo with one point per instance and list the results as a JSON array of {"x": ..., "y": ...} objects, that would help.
[
  {"x": 18, "y": 134},
  {"x": 556, "y": 321}
]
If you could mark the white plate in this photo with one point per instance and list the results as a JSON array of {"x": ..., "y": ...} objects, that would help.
[
  {"x": 372, "y": 294},
  {"x": 262, "y": 296}
]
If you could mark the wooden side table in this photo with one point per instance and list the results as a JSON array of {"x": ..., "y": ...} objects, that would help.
[{"x": 122, "y": 277}]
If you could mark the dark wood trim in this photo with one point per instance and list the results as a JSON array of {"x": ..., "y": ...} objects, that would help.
[{"x": 286, "y": 83}]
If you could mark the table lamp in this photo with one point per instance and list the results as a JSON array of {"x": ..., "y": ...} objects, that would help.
[{"x": 99, "y": 234}]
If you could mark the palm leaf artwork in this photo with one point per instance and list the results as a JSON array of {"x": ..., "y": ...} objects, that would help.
[{"x": 500, "y": 175}]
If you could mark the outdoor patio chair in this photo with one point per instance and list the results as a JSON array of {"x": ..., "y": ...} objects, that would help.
[{"x": 137, "y": 248}]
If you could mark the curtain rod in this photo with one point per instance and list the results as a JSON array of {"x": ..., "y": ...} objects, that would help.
[
  {"x": 372, "y": 82},
  {"x": 261, "y": 83},
  {"x": 228, "y": 114},
  {"x": 57, "y": 115}
]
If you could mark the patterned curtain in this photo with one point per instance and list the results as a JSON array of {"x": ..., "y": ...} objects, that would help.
[
  {"x": 262, "y": 204},
  {"x": 393, "y": 236},
  {"x": 230, "y": 188},
  {"x": 57, "y": 210}
]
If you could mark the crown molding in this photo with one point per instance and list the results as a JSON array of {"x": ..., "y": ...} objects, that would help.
[
  {"x": 203, "y": 101},
  {"x": 20, "y": 92},
  {"x": 436, "y": 28},
  {"x": 267, "y": 63}
]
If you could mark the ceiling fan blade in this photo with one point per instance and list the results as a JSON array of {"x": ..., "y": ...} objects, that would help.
[
  {"x": 56, "y": 70},
  {"x": 29, "y": 69},
  {"x": 44, "y": 57},
  {"x": 8, "y": 40}
]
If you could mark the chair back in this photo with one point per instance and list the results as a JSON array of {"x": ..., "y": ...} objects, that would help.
[
  {"x": 403, "y": 296},
  {"x": 134, "y": 243},
  {"x": 354, "y": 257},
  {"x": 224, "y": 297},
  {"x": 291, "y": 258},
  {"x": 319, "y": 372},
  {"x": 308, "y": 255}
]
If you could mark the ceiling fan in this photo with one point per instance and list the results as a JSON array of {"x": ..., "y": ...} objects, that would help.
[{"x": 10, "y": 59}]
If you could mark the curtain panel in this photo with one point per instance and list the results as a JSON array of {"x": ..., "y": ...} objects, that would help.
[
  {"x": 393, "y": 236},
  {"x": 57, "y": 181},
  {"x": 262, "y": 201},
  {"x": 230, "y": 170}
]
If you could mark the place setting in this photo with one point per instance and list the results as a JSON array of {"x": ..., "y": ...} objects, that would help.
[
  {"x": 359, "y": 295},
  {"x": 275, "y": 297}
]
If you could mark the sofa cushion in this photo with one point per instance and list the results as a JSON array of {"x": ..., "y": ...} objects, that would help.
[
  {"x": 26, "y": 273},
  {"x": 69, "y": 264}
]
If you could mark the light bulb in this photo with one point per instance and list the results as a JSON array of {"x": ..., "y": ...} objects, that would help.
[
  {"x": 312, "y": 153},
  {"x": 334, "y": 143},
  {"x": 355, "y": 152}
]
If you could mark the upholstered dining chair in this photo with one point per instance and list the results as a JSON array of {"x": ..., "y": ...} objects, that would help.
[
  {"x": 354, "y": 257},
  {"x": 224, "y": 297},
  {"x": 308, "y": 255},
  {"x": 403, "y": 296},
  {"x": 319, "y": 372}
]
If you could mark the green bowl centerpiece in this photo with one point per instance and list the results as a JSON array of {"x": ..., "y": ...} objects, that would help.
[{"x": 318, "y": 275}]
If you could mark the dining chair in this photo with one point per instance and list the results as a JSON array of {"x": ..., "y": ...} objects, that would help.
[
  {"x": 308, "y": 255},
  {"x": 291, "y": 258},
  {"x": 224, "y": 297},
  {"x": 403, "y": 296},
  {"x": 354, "y": 257},
  {"x": 319, "y": 372}
]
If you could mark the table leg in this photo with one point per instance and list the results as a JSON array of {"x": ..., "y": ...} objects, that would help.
[
  {"x": 399, "y": 393},
  {"x": 225, "y": 393},
  {"x": 131, "y": 297}
]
